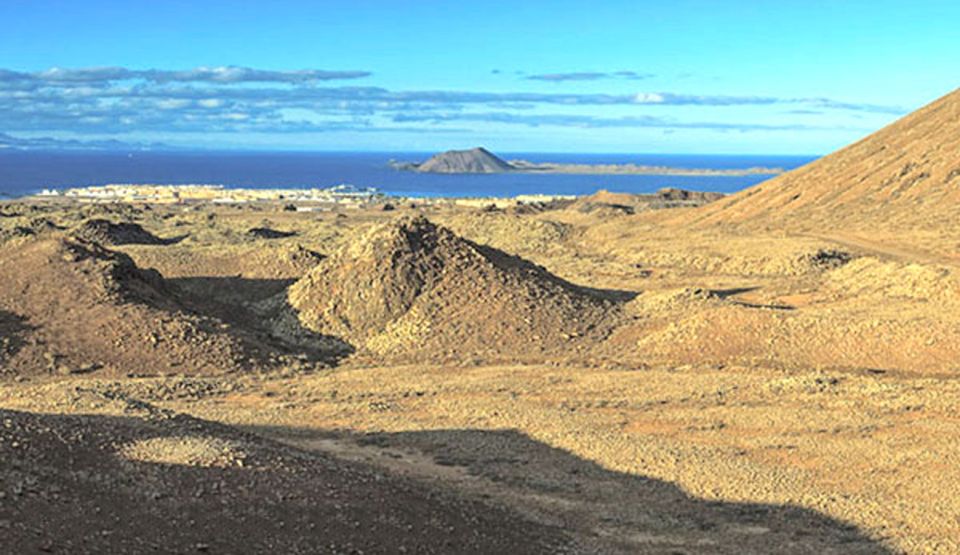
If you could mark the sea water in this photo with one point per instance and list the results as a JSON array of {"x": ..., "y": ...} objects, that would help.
[{"x": 28, "y": 172}]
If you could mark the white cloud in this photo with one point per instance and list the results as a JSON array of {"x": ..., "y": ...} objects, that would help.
[{"x": 649, "y": 98}]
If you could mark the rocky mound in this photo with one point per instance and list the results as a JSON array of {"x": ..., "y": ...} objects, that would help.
[
  {"x": 269, "y": 233},
  {"x": 475, "y": 160},
  {"x": 24, "y": 227},
  {"x": 905, "y": 175},
  {"x": 414, "y": 289},
  {"x": 84, "y": 308},
  {"x": 106, "y": 232},
  {"x": 604, "y": 202},
  {"x": 683, "y": 195}
]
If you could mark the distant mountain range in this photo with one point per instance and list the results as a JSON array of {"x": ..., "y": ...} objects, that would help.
[{"x": 9, "y": 142}]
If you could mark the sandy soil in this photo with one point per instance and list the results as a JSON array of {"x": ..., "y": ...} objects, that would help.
[{"x": 762, "y": 391}]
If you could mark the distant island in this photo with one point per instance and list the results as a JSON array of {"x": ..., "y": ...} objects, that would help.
[
  {"x": 481, "y": 160},
  {"x": 10, "y": 143}
]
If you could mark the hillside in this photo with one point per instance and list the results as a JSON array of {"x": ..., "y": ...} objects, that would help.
[
  {"x": 906, "y": 175},
  {"x": 70, "y": 306},
  {"x": 411, "y": 288}
]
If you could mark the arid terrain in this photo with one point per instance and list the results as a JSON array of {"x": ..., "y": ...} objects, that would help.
[{"x": 774, "y": 371}]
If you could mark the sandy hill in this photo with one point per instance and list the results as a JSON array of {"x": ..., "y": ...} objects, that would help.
[
  {"x": 73, "y": 306},
  {"x": 905, "y": 175},
  {"x": 411, "y": 288},
  {"x": 475, "y": 160}
]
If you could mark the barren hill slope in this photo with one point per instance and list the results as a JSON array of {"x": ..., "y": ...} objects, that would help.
[
  {"x": 73, "y": 306},
  {"x": 906, "y": 175},
  {"x": 416, "y": 289}
]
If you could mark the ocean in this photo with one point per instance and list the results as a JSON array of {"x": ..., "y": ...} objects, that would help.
[{"x": 27, "y": 172}]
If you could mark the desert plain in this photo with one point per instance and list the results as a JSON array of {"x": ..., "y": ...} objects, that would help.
[{"x": 773, "y": 371}]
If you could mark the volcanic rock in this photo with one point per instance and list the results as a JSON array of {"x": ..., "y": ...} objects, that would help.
[{"x": 413, "y": 288}]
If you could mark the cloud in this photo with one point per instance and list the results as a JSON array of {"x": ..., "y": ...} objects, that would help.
[
  {"x": 230, "y": 99},
  {"x": 588, "y": 76},
  {"x": 221, "y": 74},
  {"x": 835, "y": 105},
  {"x": 233, "y": 74},
  {"x": 592, "y": 122},
  {"x": 85, "y": 75}
]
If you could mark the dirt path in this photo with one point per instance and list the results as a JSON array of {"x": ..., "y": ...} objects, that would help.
[
  {"x": 606, "y": 512},
  {"x": 886, "y": 250}
]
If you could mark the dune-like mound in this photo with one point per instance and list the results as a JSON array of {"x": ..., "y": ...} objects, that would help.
[
  {"x": 83, "y": 308},
  {"x": 106, "y": 232},
  {"x": 414, "y": 289},
  {"x": 905, "y": 175},
  {"x": 474, "y": 160}
]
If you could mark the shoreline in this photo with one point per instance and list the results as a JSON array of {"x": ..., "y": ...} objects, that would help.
[
  {"x": 341, "y": 196},
  {"x": 348, "y": 198}
]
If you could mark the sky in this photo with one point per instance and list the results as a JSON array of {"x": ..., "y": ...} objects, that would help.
[{"x": 685, "y": 76}]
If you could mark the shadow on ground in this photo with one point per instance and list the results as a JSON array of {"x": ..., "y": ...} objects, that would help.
[
  {"x": 13, "y": 329},
  {"x": 730, "y": 293},
  {"x": 229, "y": 290},
  {"x": 159, "y": 482},
  {"x": 248, "y": 304},
  {"x": 623, "y": 512}
]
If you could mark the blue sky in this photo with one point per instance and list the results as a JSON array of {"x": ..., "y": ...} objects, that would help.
[{"x": 607, "y": 76}]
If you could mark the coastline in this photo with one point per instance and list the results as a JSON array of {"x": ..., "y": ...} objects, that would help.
[
  {"x": 301, "y": 198},
  {"x": 28, "y": 173}
]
